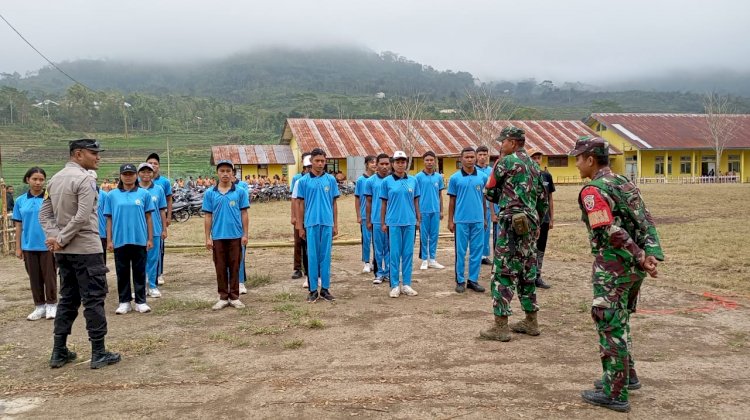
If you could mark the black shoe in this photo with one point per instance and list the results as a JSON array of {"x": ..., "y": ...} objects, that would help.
[
  {"x": 633, "y": 384},
  {"x": 60, "y": 353},
  {"x": 486, "y": 261},
  {"x": 326, "y": 295},
  {"x": 460, "y": 287},
  {"x": 541, "y": 284},
  {"x": 313, "y": 296},
  {"x": 475, "y": 286},
  {"x": 297, "y": 275},
  {"x": 598, "y": 398},
  {"x": 100, "y": 357}
]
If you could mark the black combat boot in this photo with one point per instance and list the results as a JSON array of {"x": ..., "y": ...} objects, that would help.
[
  {"x": 600, "y": 399},
  {"x": 527, "y": 326},
  {"x": 101, "y": 357},
  {"x": 60, "y": 353}
]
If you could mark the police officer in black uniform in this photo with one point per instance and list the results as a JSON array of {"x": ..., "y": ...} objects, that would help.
[{"x": 70, "y": 222}]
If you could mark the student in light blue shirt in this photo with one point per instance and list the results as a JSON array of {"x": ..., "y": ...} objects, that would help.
[
  {"x": 31, "y": 249},
  {"x": 379, "y": 238},
  {"x": 243, "y": 269},
  {"x": 467, "y": 219},
  {"x": 360, "y": 207},
  {"x": 399, "y": 217},
  {"x": 317, "y": 222},
  {"x": 483, "y": 165},
  {"x": 130, "y": 235},
  {"x": 159, "y": 222},
  {"x": 431, "y": 188},
  {"x": 225, "y": 225},
  {"x": 166, "y": 185}
]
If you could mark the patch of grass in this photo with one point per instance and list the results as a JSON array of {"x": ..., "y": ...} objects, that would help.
[
  {"x": 584, "y": 306},
  {"x": 169, "y": 305},
  {"x": 315, "y": 324},
  {"x": 247, "y": 311},
  {"x": 6, "y": 349},
  {"x": 14, "y": 313},
  {"x": 737, "y": 340},
  {"x": 139, "y": 346},
  {"x": 230, "y": 339},
  {"x": 283, "y": 297},
  {"x": 295, "y": 312},
  {"x": 258, "y": 279},
  {"x": 440, "y": 311},
  {"x": 267, "y": 330},
  {"x": 293, "y": 344}
]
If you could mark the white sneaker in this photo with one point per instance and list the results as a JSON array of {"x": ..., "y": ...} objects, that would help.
[
  {"x": 408, "y": 291},
  {"x": 366, "y": 268},
  {"x": 51, "y": 311},
  {"x": 154, "y": 293},
  {"x": 237, "y": 304},
  {"x": 38, "y": 313},
  {"x": 377, "y": 280},
  {"x": 243, "y": 289},
  {"x": 395, "y": 292},
  {"x": 424, "y": 265},
  {"x": 123, "y": 308},
  {"x": 221, "y": 304},
  {"x": 142, "y": 308},
  {"x": 435, "y": 264},
  {"x": 160, "y": 280}
]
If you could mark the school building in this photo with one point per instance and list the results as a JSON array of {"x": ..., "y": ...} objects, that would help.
[
  {"x": 257, "y": 159},
  {"x": 674, "y": 147},
  {"x": 347, "y": 142}
]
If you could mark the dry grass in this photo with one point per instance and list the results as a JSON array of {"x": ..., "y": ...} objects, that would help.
[
  {"x": 139, "y": 346},
  {"x": 169, "y": 305}
]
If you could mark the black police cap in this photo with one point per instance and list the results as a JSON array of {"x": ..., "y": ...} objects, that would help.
[{"x": 88, "y": 144}]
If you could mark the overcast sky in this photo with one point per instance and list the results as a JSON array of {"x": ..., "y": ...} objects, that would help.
[{"x": 562, "y": 40}]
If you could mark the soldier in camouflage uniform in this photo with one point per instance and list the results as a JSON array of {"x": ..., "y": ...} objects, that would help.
[
  {"x": 625, "y": 246},
  {"x": 516, "y": 185}
]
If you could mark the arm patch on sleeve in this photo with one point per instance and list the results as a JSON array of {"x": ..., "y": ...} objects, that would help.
[{"x": 597, "y": 207}]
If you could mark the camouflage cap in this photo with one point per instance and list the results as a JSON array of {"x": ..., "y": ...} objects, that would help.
[
  {"x": 511, "y": 132},
  {"x": 596, "y": 146}
]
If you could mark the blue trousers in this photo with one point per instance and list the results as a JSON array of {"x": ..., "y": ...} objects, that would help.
[
  {"x": 487, "y": 234},
  {"x": 366, "y": 242},
  {"x": 401, "y": 241},
  {"x": 428, "y": 235},
  {"x": 319, "y": 243},
  {"x": 153, "y": 260},
  {"x": 469, "y": 235},
  {"x": 380, "y": 240}
]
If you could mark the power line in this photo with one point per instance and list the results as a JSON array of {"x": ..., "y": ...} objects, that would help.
[{"x": 42, "y": 55}]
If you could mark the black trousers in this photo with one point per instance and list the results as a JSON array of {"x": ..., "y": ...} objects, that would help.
[
  {"x": 83, "y": 280},
  {"x": 541, "y": 243},
  {"x": 128, "y": 256},
  {"x": 104, "y": 249}
]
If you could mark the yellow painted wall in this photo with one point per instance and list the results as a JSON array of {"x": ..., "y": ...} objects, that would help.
[{"x": 253, "y": 170}]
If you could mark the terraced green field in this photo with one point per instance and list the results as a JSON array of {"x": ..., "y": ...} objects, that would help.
[{"x": 189, "y": 153}]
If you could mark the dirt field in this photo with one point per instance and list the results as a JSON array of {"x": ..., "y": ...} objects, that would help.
[{"x": 368, "y": 355}]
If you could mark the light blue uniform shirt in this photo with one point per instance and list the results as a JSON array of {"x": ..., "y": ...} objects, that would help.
[
  {"x": 26, "y": 211},
  {"x": 400, "y": 194},
  {"x": 469, "y": 192},
  {"x": 429, "y": 188},
  {"x": 372, "y": 189},
  {"x": 318, "y": 193},
  {"x": 159, "y": 201},
  {"x": 226, "y": 210},
  {"x": 100, "y": 212},
  {"x": 128, "y": 212},
  {"x": 359, "y": 191},
  {"x": 165, "y": 185}
]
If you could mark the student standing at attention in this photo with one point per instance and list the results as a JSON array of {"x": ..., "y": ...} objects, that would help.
[
  {"x": 225, "y": 225},
  {"x": 360, "y": 207},
  {"x": 379, "y": 239},
  {"x": 431, "y": 188}
]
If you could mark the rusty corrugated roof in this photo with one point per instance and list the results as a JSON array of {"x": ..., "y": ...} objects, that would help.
[
  {"x": 672, "y": 131},
  {"x": 344, "y": 138},
  {"x": 254, "y": 154}
]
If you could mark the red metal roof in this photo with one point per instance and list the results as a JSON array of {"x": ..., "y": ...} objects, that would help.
[
  {"x": 671, "y": 131},
  {"x": 344, "y": 138},
  {"x": 254, "y": 154}
]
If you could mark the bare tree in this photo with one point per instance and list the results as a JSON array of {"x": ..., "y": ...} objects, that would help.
[
  {"x": 484, "y": 110},
  {"x": 721, "y": 125},
  {"x": 407, "y": 113}
]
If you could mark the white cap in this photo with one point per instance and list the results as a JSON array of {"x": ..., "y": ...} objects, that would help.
[
  {"x": 307, "y": 161},
  {"x": 92, "y": 173},
  {"x": 399, "y": 154},
  {"x": 145, "y": 165}
]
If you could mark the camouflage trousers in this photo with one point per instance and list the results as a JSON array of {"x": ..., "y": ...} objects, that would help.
[
  {"x": 614, "y": 301},
  {"x": 515, "y": 271}
]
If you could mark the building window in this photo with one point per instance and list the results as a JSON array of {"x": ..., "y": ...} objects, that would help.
[
  {"x": 557, "y": 161},
  {"x": 734, "y": 163},
  {"x": 332, "y": 166},
  {"x": 686, "y": 165},
  {"x": 659, "y": 165}
]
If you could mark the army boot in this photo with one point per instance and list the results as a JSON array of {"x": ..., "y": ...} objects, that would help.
[
  {"x": 633, "y": 382},
  {"x": 598, "y": 398},
  {"x": 101, "y": 357},
  {"x": 60, "y": 353},
  {"x": 527, "y": 326},
  {"x": 498, "y": 332}
]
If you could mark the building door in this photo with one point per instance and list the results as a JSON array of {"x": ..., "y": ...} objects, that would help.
[
  {"x": 440, "y": 166},
  {"x": 630, "y": 169}
]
